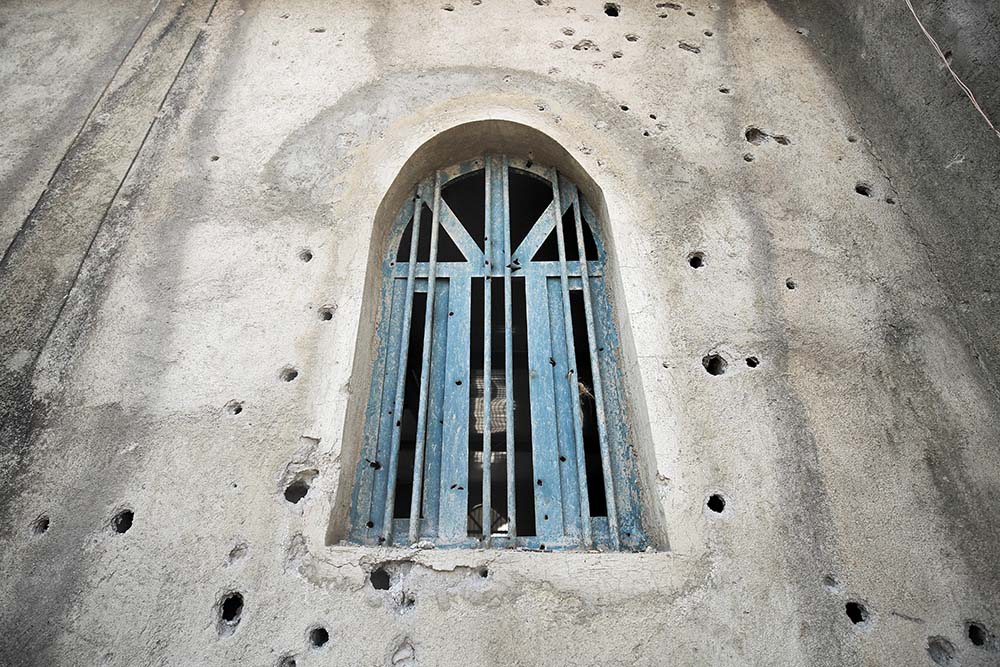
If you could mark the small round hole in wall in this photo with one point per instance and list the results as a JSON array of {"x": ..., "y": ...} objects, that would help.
[
  {"x": 863, "y": 189},
  {"x": 379, "y": 579},
  {"x": 725, "y": 90},
  {"x": 696, "y": 260},
  {"x": 325, "y": 313},
  {"x": 753, "y": 362},
  {"x": 305, "y": 255},
  {"x": 287, "y": 661},
  {"x": 288, "y": 374},
  {"x": 40, "y": 525},
  {"x": 230, "y": 612},
  {"x": 612, "y": 8},
  {"x": 234, "y": 407},
  {"x": 790, "y": 284},
  {"x": 484, "y": 572},
  {"x": 297, "y": 490},
  {"x": 857, "y": 612},
  {"x": 214, "y": 158},
  {"x": 318, "y": 637},
  {"x": 708, "y": 33},
  {"x": 623, "y": 107},
  {"x": 714, "y": 364},
  {"x": 748, "y": 157},
  {"x": 121, "y": 522},
  {"x": 852, "y": 139},
  {"x": 977, "y": 633},
  {"x": 716, "y": 503}
]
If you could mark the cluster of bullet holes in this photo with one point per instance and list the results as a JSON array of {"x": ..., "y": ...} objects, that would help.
[
  {"x": 318, "y": 637},
  {"x": 40, "y": 526},
  {"x": 230, "y": 609},
  {"x": 121, "y": 522},
  {"x": 716, "y": 503},
  {"x": 714, "y": 364}
]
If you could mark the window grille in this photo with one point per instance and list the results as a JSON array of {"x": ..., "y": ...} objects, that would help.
[{"x": 519, "y": 311}]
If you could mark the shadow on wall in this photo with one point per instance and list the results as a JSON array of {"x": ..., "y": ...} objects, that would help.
[{"x": 457, "y": 144}]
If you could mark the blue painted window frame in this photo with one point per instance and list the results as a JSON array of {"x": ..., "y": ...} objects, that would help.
[{"x": 440, "y": 513}]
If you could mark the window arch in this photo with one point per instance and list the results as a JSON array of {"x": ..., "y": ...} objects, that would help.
[{"x": 514, "y": 313}]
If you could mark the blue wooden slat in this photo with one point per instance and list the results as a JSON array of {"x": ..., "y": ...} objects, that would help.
[
  {"x": 544, "y": 419},
  {"x": 397, "y": 410},
  {"x": 508, "y": 348},
  {"x": 425, "y": 371},
  {"x": 487, "y": 502},
  {"x": 453, "y": 519},
  {"x": 572, "y": 376},
  {"x": 570, "y": 192},
  {"x": 435, "y": 418}
]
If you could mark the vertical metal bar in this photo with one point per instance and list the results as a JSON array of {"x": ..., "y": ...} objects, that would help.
[
  {"x": 487, "y": 513},
  {"x": 595, "y": 369},
  {"x": 425, "y": 370},
  {"x": 508, "y": 348},
  {"x": 404, "y": 345},
  {"x": 571, "y": 376}
]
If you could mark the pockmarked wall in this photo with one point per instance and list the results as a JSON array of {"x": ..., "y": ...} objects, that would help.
[{"x": 214, "y": 218}]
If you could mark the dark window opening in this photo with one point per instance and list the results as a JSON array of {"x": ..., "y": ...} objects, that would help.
[
  {"x": 529, "y": 197},
  {"x": 549, "y": 250},
  {"x": 411, "y": 401},
  {"x": 585, "y": 387},
  {"x": 466, "y": 196},
  {"x": 447, "y": 250},
  {"x": 524, "y": 467}
]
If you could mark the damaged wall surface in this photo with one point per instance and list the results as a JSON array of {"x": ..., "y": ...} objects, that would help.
[{"x": 799, "y": 206}]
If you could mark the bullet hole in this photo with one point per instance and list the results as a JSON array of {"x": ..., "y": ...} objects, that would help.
[
  {"x": 540, "y": 106},
  {"x": 448, "y": 8},
  {"x": 40, "y": 525},
  {"x": 288, "y": 374},
  {"x": 753, "y": 362},
  {"x": 947, "y": 57},
  {"x": 542, "y": 3},
  {"x": 234, "y": 407},
  {"x": 305, "y": 255},
  {"x": 562, "y": 459},
  {"x": 856, "y": 612},
  {"x": 539, "y": 482},
  {"x": 708, "y": 33},
  {"x": 611, "y": 8},
  {"x": 230, "y": 612},
  {"x": 645, "y": 133},
  {"x": 668, "y": 5},
  {"x": 690, "y": 13},
  {"x": 716, "y": 503},
  {"x": 890, "y": 201},
  {"x": 632, "y": 37},
  {"x": 790, "y": 284},
  {"x": 585, "y": 45},
  {"x": 458, "y": 382},
  {"x": 326, "y": 313},
  {"x": 287, "y": 661},
  {"x": 652, "y": 116},
  {"x": 748, "y": 157},
  {"x": 122, "y": 521},
  {"x": 214, "y": 158},
  {"x": 569, "y": 32},
  {"x": 942, "y": 651},
  {"x": 484, "y": 572},
  {"x": 321, "y": 29},
  {"x": 318, "y": 637},
  {"x": 374, "y": 465},
  {"x": 237, "y": 553},
  {"x": 863, "y": 189},
  {"x": 831, "y": 584},
  {"x": 617, "y": 54},
  {"x": 296, "y": 491},
  {"x": 802, "y": 31},
  {"x": 977, "y": 634},
  {"x": 781, "y": 139},
  {"x": 755, "y": 136},
  {"x": 696, "y": 260},
  {"x": 724, "y": 90},
  {"x": 623, "y": 107},
  {"x": 369, "y": 524},
  {"x": 714, "y": 364},
  {"x": 693, "y": 48},
  {"x": 851, "y": 139},
  {"x": 379, "y": 579}
]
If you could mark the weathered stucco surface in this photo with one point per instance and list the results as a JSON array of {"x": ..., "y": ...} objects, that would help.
[{"x": 164, "y": 167}]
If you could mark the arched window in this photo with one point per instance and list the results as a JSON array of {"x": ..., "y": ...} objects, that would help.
[{"x": 496, "y": 412}]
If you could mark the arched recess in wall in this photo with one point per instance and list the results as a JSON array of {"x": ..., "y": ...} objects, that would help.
[{"x": 489, "y": 193}]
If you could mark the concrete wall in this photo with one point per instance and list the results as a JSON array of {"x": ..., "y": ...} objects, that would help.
[{"x": 158, "y": 283}]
